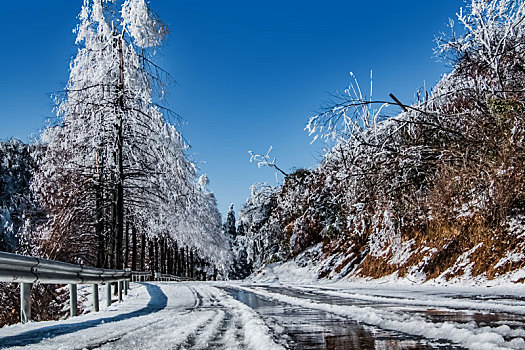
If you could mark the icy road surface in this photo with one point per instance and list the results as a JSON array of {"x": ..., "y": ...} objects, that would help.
[{"x": 246, "y": 316}]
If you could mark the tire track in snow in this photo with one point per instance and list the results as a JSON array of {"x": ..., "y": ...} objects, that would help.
[
  {"x": 224, "y": 332},
  {"x": 240, "y": 328},
  {"x": 122, "y": 340},
  {"x": 116, "y": 338},
  {"x": 194, "y": 339},
  {"x": 249, "y": 326}
]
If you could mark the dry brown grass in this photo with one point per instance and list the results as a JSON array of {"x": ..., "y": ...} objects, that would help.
[{"x": 436, "y": 250}]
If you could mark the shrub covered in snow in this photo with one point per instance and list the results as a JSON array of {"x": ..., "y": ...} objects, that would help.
[{"x": 16, "y": 203}]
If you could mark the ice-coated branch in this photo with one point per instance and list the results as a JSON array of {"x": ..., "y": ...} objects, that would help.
[
  {"x": 264, "y": 160},
  {"x": 349, "y": 113}
]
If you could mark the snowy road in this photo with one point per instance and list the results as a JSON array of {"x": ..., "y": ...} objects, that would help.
[
  {"x": 154, "y": 316},
  {"x": 237, "y": 316}
]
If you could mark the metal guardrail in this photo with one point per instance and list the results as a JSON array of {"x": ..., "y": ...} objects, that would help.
[
  {"x": 27, "y": 270},
  {"x": 166, "y": 277},
  {"x": 140, "y": 276}
]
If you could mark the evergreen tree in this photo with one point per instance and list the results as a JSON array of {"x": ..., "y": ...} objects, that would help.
[
  {"x": 230, "y": 229},
  {"x": 240, "y": 268}
]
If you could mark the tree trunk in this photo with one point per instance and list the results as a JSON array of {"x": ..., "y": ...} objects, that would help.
[
  {"x": 119, "y": 203},
  {"x": 192, "y": 262},
  {"x": 156, "y": 257},
  {"x": 113, "y": 244},
  {"x": 187, "y": 267},
  {"x": 162, "y": 254},
  {"x": 126, "y": 251},
  {"x": 99, "y": 226},
  {"x": 176, "y": 259},
  {"x": 142, "y": 251},
  {"x": 182, "y": 262},
  {"x": 166, "y": 255},
  {"x": 133, "y": 248},
  {"x": 151, "y": 257},
  {"x": 168, "y": 260}
]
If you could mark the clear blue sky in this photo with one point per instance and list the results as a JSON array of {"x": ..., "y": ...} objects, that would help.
[{"x": 248, "y": 73}]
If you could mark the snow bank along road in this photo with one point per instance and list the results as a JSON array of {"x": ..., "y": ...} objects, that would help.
[{"x": 202, "y": 315}]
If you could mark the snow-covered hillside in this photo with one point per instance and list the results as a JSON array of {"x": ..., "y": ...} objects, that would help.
[{"x": 437, "y": 191}]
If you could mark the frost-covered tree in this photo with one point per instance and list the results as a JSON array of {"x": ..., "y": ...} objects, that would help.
[
  {"x": 263, "y": 160},
  {"x": 468, "y": 123},
  {"x": 201, "y": 227},
  {"x": 19, "y": 217},
  {"x": 97, "y": 149},
  {"x": 112, "y": 170},
  {"x": 240, "y": 268},
  {"x": 17, "y": 207},
  {"x": 229, "y": 225},
  {"x": 262, "y": 235}
]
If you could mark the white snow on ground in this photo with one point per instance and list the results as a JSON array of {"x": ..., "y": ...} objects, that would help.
[
  {"x": 510, "y": 257},
  {"x": 469, "y": 335},
  {"x": 471, "y": 294},
  {"x": 153, "y": 315},
  {"x": 298, "y": 272},
  {"x": 256, "y": 333},
  {"x": 199, "y": 315},
  {"x": 288, "y": 272}
]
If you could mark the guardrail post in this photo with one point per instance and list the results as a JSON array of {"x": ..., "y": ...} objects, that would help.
[
  {"x": 95, "y": 297},
  {"x": 25, "y": 302},
  {"x": 120, "y": 291},
  {"x": 73, "y": 299},
  {"x": 108, "y": 294},
  {"x": 125, "y": 287}
]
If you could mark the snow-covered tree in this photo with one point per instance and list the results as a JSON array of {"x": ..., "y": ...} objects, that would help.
[
  {"x": 17, "y": 207},
  {"x": 229, "y": 225},
  {"x": 112, "y": 166},
  {"x": 262, "y": 235}
]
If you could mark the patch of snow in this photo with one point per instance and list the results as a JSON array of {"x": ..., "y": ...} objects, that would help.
[
  {"x": 510, "y": 257},
  {"x": 402, "y": 253},
  {"x": 464, "y": 264}
]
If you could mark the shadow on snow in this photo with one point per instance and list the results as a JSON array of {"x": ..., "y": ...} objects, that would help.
[{"x": 158, "y": 301}]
